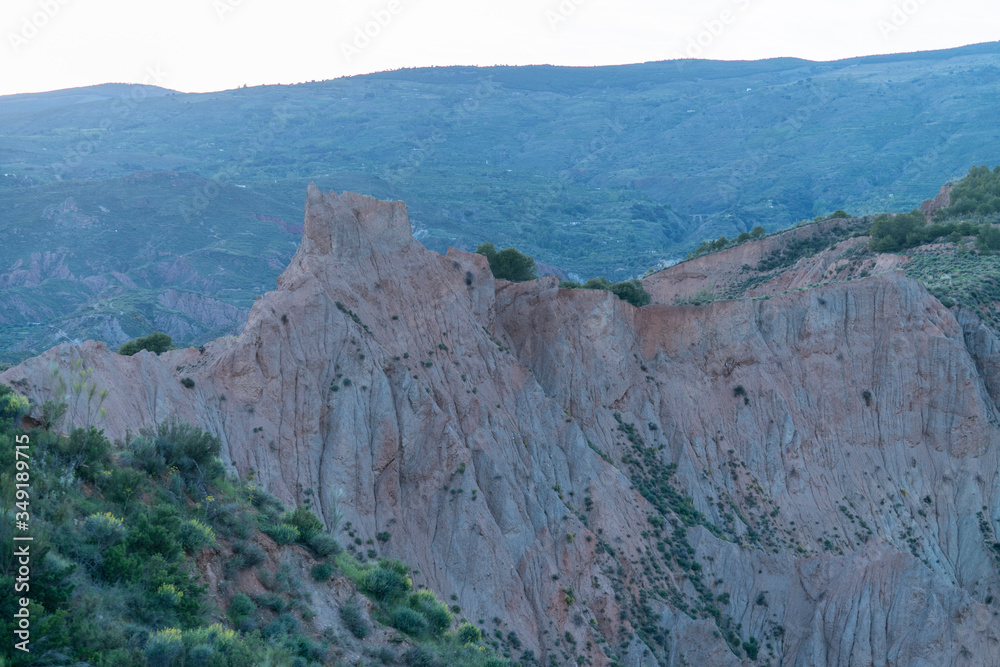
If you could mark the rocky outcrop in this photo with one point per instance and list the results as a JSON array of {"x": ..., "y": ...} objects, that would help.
[
  {"x": 942, "y": 200},
  {"x": 808, "y": 479}
]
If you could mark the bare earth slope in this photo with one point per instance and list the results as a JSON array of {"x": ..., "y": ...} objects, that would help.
[{"x": 808, "y": 479}]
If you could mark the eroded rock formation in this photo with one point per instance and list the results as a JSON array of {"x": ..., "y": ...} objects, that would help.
[{"x": 808, "y": 479}]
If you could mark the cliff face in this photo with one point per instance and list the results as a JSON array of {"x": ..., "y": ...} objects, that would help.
[{"x": 810, "y": 479}]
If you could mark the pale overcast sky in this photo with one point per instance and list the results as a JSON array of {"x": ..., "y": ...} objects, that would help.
[{"x": 204, "y": 45}]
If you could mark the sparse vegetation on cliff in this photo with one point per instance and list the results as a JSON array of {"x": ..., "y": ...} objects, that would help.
[
  {"x": 722, "y": 242},
  {"x": 508, "y": 264},
  {"x": 156, "y": 343},
  {"x": 630, "y": 291}
]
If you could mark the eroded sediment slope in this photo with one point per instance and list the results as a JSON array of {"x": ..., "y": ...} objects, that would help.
[{"x": 801, "y": 478}]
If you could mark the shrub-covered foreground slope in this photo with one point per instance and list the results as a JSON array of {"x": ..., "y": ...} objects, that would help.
[
  {"x": 810, "y": 478},
  {"x": 145, "y": 552}
]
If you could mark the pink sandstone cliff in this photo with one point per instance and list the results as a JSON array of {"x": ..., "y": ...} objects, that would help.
[{"x": 819, "y": 471}]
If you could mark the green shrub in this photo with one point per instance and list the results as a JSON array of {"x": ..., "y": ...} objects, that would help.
[
  {"x": 202, "y": 655},
  {"x": 193, "y": 452},
  {"x": 322, "y": 571},
  {"x": 271, "y": 601},
  {"x": 307, "y": 523},
  {"x": 52, "y": 412},
  {"x": 308, "y": 651},
  {"x": 722, "y": 242},
  {"x": 229, "y": 518},
  {"x": 353, "y": 619},
  {"x": 436, "y": 612},
  {"x": 121, "y": 485},
  {"x": 409, "y": 621},
  {"x": 87, "y": 450},
  {"x": 385, "y": 584},
  {"x": 236, "y": 564},
  {"x": 468, "y": 634},
  {"x": 752, "y": 648},
  {"x": 165, "y": 648},
  {"x": 267, "y": 503},
  {"x": 699, "y": 298},
  {"x": 195, "y": 536},
  {"x": 155, "y": 532},
  {"x": 988, "y": 239},
  {"x": 419, "y": 656},
  {"x": 597, "y": 283},
  {"x": 156, "y": 343},
  {"x": 185, "y": 447},
  {"x": 324, "y": 544},
  {"x": 896, "y": 232},
  {"x": 104, "y": 529},
  {"x": 631, "y": 291},
  {"x": 211, "y": 646},
  {"x": 155, "y": 611},
  {"x": 168, "y": 595},
  {"x": 252, "y": 553},
  {"x": 395, "y": 565},
  {"x": 119, "y": 564},
  {"x": 143, "y": 454},
  {"x": 13, "y": 406},
  {"x": 508, "y": 264},
  {"x": 242, "y": 606},
  {"x": 187, "y": 382},
  {"x": 282, "y": 533}
]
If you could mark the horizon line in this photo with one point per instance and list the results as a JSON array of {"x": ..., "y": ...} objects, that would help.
[{"x": 496, "y": 65}]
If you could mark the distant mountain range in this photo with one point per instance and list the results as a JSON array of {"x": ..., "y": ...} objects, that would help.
[{"x": 131, "y": 208}]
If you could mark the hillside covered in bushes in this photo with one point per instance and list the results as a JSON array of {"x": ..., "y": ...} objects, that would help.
[{"x": 147, "y": 552}]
